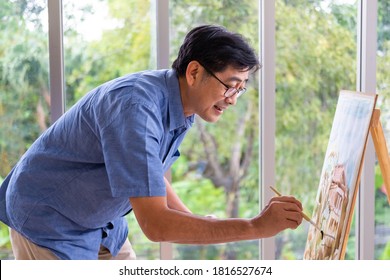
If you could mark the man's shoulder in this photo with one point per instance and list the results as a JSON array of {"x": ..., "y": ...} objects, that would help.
[{"x": 150, "y": 78}]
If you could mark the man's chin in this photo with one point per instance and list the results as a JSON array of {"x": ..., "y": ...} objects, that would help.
[{"x": 209, "y": 119}]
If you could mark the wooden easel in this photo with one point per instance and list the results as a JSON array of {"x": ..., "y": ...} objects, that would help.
[
  {"x": 381, "y": 149},
  {"x": 383, "y": 158}
]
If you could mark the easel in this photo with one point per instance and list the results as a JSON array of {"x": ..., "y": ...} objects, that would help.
[{"x": 381, "y": 149}]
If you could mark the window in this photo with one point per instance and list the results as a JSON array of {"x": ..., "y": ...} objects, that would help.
[
  {"x": 316, "y": 58},
  {"x": 102, "y": 41},
  {"x": 229, "y": 146},
  {"x": 24, "y": 88}
]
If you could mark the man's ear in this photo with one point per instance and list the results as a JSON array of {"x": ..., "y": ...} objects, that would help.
[{"x": 193, "y": 72}]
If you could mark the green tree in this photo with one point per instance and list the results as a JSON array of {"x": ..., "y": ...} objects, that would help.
[
  {"x": 312, "y": 67},
  {"x": 228, "y": 157},
  {"x": 24, "y": 97},
  {"x": 226, "y": 153},
  {"x": 24, "y": 94},
  {"x": 123, "y": 48},
  {"x": 316, "y": 58},
  {"x": 383, "y": 24}
]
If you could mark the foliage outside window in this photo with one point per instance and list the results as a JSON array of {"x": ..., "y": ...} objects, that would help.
[{"x": 315, "y": 59}]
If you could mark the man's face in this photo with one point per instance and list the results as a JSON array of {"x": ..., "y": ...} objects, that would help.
[{"x": 210, "y": 101}]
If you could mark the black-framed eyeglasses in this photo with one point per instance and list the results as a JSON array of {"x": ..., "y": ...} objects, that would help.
[{"x": 230, "y": 91}]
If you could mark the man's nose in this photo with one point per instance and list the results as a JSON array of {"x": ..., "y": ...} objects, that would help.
[{"x": 232, "y": 100}]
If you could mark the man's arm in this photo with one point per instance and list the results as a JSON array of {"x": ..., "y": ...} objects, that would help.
[{"x": 161, "y": 223}]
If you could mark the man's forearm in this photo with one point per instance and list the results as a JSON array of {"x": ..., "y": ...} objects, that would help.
[
  {"x": 163, "y": 224},
  {"x": 191, "y": 229}
]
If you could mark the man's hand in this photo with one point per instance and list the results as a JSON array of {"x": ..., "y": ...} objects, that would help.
[{"x": 280, "y": 213}]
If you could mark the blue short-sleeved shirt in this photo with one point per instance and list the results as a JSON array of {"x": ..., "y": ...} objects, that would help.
[{"x": 70, "y": 191}]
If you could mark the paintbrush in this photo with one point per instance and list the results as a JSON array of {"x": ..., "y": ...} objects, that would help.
[{"x": 306, "y": 217}]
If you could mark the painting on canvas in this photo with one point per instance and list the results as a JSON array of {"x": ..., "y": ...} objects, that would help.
[{"x": 340, "y": 176}]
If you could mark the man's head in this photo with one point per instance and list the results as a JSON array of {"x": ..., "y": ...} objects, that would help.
[
  {"x": 215, "y": 48},
  {"x": 213, "y": 66}
]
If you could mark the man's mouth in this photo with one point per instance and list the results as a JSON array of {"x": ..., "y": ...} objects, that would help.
[{"x": 219, "y": 108}]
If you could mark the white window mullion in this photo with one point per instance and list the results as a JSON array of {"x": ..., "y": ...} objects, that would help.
[
  {"x": 366, "y": 82},
  {"x": 267, "y": 113},
  {"x": 162, "y": 49},
  {"x": 56, "y": 58}
]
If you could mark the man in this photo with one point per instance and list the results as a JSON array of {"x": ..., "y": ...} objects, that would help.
[{"x": 67, "y": 196}]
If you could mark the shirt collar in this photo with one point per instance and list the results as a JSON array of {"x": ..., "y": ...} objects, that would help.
[{"x": 177, "y": 118}]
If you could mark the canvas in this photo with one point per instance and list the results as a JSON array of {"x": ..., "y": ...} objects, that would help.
[{"x": 340, "y": 176}]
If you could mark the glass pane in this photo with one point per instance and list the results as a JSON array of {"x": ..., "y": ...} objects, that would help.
[
  {"x": 199, "y": 186},
  {"x": 24, "y": 87},
  {"x": 102, "y": 41},
  {"x": 382, "y": 208},
  {"x": 316, "y": 58}
]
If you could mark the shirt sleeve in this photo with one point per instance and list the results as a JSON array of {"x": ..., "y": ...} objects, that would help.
[{"x": 131, "y": 150}]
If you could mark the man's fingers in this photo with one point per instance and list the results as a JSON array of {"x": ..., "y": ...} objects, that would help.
[
  {"x": 289, "y": 199},
  {"x": 293, "y": 224}
]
